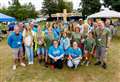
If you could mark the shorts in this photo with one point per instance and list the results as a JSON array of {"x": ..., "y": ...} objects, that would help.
[
  {"x": 41, "y": 51},
  {"x": 17, "y": 52}
]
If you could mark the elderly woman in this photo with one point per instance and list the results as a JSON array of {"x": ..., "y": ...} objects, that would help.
[
  {"x": 56, "y": 53},
  {"x": 75, "y": 55}
]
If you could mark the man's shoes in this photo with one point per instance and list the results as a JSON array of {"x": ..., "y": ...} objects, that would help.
[{"x": 104, "y": 66}]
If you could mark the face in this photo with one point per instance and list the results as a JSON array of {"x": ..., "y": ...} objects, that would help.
[
  {"x": 64, "y": 34},
  {"x": 16, "y": 30},
  {"x": 95, "y": 25},
  {"x": 21, "y": 25},
  {"x": 100, "y": 25},
  {"x": 81, "y": 21},
  {"x": 39, "y": 28},
  {"x": 55, "y": 43},
  {"x": 77, "y": 29},
  {"x": 32, "y": 24},
  {"x": 75, "y": 45},
  {"x": 90, "y": 35}
]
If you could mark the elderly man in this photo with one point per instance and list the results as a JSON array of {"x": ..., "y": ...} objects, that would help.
[
  {"x": 15, "y": 42},
  {"x": 103, "y": 37}
]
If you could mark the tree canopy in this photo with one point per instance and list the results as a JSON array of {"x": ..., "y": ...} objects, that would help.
[
  {"x": 56, "y": 6},
  {"x": 20, "y": 12}
]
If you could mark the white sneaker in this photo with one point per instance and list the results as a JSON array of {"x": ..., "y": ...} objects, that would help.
[
  {"x": 87, "y": 63},
  {"x": 22, "y": 64},
  {"x": 30, "y": 62},
  {"x": 14, "y": 67}
]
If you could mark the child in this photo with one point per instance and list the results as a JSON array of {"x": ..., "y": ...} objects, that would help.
[
  {"x": 56, "y": 53},
  {"x": 75, "y": 54},
  {"x": 89, "y": 45}
]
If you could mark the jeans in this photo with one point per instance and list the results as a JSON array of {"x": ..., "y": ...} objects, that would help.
[{"x": 29, "y": 52}]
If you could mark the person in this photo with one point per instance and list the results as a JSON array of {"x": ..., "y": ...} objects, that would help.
[
  {"x": 28, "y": 42},
  {"x": 103, "y": 38},
  {"x": 75, "y": 54},
  {"x": 40, "y": 40},
  {"x": 76, "y": 35},
  {"x": 65, "y": 43},
  {"x": 56, "y": 54},
  {"x": 15, "y": 42},
  {"x": 89, "y": 46}
]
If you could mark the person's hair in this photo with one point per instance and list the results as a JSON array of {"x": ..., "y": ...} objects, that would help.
[
  {"x": 70, "y": 28},
  {"x": 77, "y": 28}
]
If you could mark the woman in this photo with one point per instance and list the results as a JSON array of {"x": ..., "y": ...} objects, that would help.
[
  {"x": 56, "y": 53},
  {"x": 75, "y": 54},
  {"x": 28, "y": 41},
  {"x": 65, "y": 42},
  {"x": 40, "y": 40}
]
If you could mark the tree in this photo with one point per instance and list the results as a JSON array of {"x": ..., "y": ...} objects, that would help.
[
  {"x": 56, "y": 6},
  {"x": 115, "y": 4},
  {"x": 90, "y": 6},
  {"x": 20, "y": 12}
]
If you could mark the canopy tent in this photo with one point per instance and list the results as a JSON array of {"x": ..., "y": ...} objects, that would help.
[
  {"x": 5, "y": 18},
  {"x": 105, "y": 14}
]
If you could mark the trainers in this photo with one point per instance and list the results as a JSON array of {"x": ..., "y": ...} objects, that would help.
[
  {"x": 31, "y": 62},
  {"x": 83, "y": 62},
  {"x": 87, "y": 63},
  {"x": 104, "y": 66},
  {"x": 14, "y": 67},
  {"x": 22, "y": 64},
  {"x": 97, "y": 63}
]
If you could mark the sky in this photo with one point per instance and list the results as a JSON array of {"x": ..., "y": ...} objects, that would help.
[{"x": 37, "y": 3}]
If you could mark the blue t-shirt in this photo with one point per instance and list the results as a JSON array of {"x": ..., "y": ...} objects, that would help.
[
  {"x": 56, "y": 52},
  {"x": 75, "y": 52},
  {"x": 15, "y": 41}
]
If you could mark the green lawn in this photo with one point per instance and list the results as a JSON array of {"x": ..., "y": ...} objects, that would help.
[{"x": 38, "y": 73}]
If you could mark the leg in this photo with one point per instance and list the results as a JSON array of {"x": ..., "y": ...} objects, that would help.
[
  {"x": 31, "y": 55},
  {"x": 15, "y": 57},
  {"x": 27, "y": 49},
  {"x": 59, "y": 64},
  {"x": 103, "y": 57},
  {"x": 98, "y": 53},
  {"x": 39, "y": 55}
]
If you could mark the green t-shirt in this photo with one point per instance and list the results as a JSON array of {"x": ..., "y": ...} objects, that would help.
[
  {"x": 89, "y": 44},
  {"x": 76, "y": 36},
  {"x": 102, "y": 36}
]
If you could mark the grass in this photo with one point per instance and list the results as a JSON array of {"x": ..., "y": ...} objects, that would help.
[{"x": 38, "y": 73}]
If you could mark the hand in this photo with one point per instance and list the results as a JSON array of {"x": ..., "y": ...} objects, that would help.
[
  {"x": 80, "y": 57},
  {"x": 55, "y": 59},
  {"x": 69, "y": 57}
]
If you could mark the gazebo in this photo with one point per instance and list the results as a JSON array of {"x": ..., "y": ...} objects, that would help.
[
  {"x": 6, "y": 18},
  {"x": 105, "y": 14}
]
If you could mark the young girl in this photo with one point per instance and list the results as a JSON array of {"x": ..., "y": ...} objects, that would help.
[
  {"x": 89, "y": 45},
  {"x": 28, "y": 41},
  {"x": 75, "y": 54},
  {"x": 65, "y": 42}
]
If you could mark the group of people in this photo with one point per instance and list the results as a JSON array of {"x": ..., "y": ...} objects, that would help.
[{"x": 73, "y": 44}]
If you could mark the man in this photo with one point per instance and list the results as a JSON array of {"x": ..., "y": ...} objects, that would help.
[
  {"x": 15, "y": 42},
  {"x": 103, "y": 37}
]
